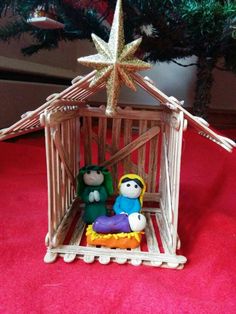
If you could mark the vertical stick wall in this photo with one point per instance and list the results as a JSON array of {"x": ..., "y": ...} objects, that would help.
[
  {"x": 172, "y": 133},
  {"x": 63, "y": 162}
]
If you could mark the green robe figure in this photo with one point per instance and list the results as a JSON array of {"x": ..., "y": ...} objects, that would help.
[{"x": 94, "y": 187}]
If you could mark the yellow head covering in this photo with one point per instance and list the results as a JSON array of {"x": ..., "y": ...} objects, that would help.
[{"x": 133, "y": 176}]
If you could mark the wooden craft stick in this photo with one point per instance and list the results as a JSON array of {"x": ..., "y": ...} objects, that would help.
[
  {"x": 87, "y": 129},
  {"x": 65, "y": 224},
  {"x": 102, "y": 134},
  {"x": 152, "y": 164},
  {"x": 127, "y": 139},
  {"x": 142, "y": 150},
  {"x": 63, "y": 157},
  {"x": 93, "y": 251},
  {"x": 49, "y": 183},
  {"x": 122, "y": 114},
  {"x": 164, "y": 99},
  {"x": 125, "y": 151},
  {"x": 116, "y": 126},
  {"x": 150, "y": 235}
]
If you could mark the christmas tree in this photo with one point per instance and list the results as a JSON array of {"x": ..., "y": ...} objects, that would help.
[{"x": 171, "y": 30}]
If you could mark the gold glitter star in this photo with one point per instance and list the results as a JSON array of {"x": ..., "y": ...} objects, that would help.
[{"x": 114, "y": 61}]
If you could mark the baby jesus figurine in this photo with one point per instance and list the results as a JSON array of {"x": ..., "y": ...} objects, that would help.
[
  {"x": 127, "y": 208},
  {"x": 124, "y": 229}
]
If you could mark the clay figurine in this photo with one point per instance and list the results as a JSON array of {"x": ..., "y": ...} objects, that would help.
[
  {"x": 130, "y": 200},
  {"x": 135, "y": 222},
  {"x": 127, "y": 208},
  {"x": 113, "y": 224},
  {"x": 94, "y": 187}
]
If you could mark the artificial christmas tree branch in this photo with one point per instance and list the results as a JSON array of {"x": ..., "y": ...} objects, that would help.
[{"x": 171, "y": 30}]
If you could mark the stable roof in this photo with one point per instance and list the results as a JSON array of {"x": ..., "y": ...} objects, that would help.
[{"x": 80, "y": 91}]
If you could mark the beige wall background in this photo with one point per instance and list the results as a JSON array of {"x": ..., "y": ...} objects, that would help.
[{"x": 18, "y": 97}]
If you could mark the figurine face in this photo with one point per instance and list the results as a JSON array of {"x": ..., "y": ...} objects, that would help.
[
  {"x": 130, "y": 189},
  {"x": 93, "y": 177},
  {"x": 137, "y": 222}
]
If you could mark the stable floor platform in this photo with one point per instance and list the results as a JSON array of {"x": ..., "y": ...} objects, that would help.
[{"x": 154, "y": 250}]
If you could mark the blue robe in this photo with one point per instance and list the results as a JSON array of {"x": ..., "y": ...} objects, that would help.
[{"x": 126, "y": 205}]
